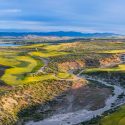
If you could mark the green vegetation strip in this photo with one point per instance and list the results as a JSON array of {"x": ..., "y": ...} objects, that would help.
[
  {"x": 120, "y": 67},
  {"x": 117, "y": 118}
]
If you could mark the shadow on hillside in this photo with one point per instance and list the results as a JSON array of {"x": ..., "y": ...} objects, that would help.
[
  {"x": 79, "y": 96},
  {"x": 2, "y": 71}
]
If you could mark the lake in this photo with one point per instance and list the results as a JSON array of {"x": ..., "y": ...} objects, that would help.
[{"x": 8, "y": 45}]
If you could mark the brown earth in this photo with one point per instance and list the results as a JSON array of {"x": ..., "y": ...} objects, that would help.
[
  {"x": 108, "y": 62},
  {"x": 83, "y": 63},
  {"x": 79, "y": 96},
  {"x": 65, "y": 66}
]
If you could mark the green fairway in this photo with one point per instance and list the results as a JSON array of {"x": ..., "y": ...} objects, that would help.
[
  {"x": 119, "y": 68},
  {"x": 117, "y": 118},
  {"x": 114, "y": 51},
  {"x": 25, "y": 60},
  {"x": 15, "y": 74},
  {"x": 63, "y": 75}
]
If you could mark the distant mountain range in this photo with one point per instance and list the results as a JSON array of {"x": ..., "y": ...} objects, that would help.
[{"x": 60, "y": 34}]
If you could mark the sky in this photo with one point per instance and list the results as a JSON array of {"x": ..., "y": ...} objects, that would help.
[{"x": 63, "y": 15}]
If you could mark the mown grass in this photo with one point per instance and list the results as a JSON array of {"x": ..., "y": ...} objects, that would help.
[
  {"x": 64, "y": 75},
  {"x": 117, "y": 118},
  {"x": 15, "y": 74},
  {"x": 113, "y": 51},
  {"x": 24, "y": 60},
  {"x": 39, "y": 64},
  {"x": 7, "y": 61},
  {"x": 49, "y": 51},
  {"x": 47, "y": 54},
  {"x": 27, "y": 61},
  {"x": 118, "y": 68},
  {"x": 39, "y": 78}
]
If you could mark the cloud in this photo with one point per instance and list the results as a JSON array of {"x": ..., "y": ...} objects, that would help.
[
  {"x": 4, "y": 13},
  {"x": 10, "y": 10},
  {"x": 82, "y": 15},
  {"x": 39, "y": 26}
]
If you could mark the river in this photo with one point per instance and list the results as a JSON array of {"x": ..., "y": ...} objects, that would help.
[
  {"x": 7, "y": 45},
  {"x": 82, "y": 115}
]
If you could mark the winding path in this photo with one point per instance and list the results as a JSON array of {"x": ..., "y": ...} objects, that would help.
[{"x": 45, "y": 61}]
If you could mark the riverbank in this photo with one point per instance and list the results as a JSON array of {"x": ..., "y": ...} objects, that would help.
[{"x": 82, "y": 115}]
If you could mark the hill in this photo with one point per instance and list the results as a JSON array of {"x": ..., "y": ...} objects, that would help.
[{"x": 60, "y": 34}]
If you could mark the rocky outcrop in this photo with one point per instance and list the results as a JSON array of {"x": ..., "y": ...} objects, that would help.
[
  {"x": 89, "y": 63},
  {"x": 109, "y": 62},
  {"x": 68, "y": 65}
]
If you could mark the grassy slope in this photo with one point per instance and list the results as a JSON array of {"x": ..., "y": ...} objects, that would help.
[
  {"x": 14, "y": 75},
  {"x": 22, "y": 65},
  {"x": 120, "y": 67},
  {"x": 117, "y": 118},
  {"x": 49, "y": 51}
]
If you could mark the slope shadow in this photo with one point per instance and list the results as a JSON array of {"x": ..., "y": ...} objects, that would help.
[
  {"x": 78, "y": 97},
  {"x": 3, "y": 85}
]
